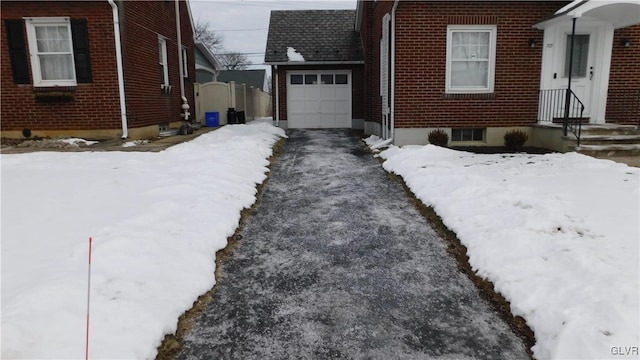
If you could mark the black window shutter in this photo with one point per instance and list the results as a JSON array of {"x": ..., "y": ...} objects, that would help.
[
  {"x": 82, "y": 57},
  {"x": 18, "y": 51}
]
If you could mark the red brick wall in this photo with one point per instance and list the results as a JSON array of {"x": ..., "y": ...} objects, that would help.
[
  {"x": 146, "y": 103},
  {"x": 357, "y": 86},
  {"x": 624, "y": 78},
  {"x": 96, "y": 105},
  {"x": 371, "y": 32},
  {"x": 421, "y": 31}
]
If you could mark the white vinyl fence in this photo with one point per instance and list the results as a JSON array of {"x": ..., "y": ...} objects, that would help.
[{"x": 219, "y": 97}]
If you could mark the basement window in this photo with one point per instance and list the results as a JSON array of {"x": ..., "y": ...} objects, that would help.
[{"x": 471, "y": 134}]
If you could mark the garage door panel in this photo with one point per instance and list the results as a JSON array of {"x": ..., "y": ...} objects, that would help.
[
  {"x": 341, "y": 107},
  {"x": 310, "y": 120},
  {"x": 328, "y": 120},
  {"x": 311, "y": 92},
  {"x": 311, "y": 107},
  {"x": 296, "y": 107},
  {"x": 342, "y": 92},
  {"x": 320, "y": 104},
  {"x": 328, "y": 107},
  {"x": 328, "y": 93}
]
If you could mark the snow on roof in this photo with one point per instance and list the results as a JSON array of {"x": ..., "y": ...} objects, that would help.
[{"x": 293, "y": 55}]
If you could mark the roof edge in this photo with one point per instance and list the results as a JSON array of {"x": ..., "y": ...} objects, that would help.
[
  {"x": 355, "y": 62},
  {"x": 208, "y": 54}
]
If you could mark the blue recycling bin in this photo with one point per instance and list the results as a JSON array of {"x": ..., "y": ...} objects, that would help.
[{"x": 212, "y": 119}]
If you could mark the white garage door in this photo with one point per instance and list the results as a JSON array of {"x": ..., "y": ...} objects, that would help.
[{"x": 319, "y": 99}]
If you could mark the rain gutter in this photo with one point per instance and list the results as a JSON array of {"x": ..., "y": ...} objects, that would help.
[
  {"x": 116, "y": 33},
  {"x": 351, "y": 62}
]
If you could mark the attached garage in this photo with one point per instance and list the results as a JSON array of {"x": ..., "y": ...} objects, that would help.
[{"x": 319, "y": 99}]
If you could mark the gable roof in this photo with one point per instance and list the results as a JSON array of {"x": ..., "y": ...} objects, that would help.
[
  {"x": 320, "y": 36},
  {"x": 255, "y": 78}
]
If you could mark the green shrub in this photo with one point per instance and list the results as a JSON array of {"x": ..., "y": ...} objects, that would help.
[
  {"x": 515, "y": 139},
  {"x": 438, "y": 137}
]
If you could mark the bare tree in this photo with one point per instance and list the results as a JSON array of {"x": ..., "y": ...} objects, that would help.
[
  {"x": 207, "y": 36},
  {"x": 269, "y": 84},
  {"x": 233, "y": 61}
]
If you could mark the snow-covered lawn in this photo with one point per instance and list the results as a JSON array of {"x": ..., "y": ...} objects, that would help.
[
  {"x": 557, "y": 234},
  {"x": 156, "y": 219}
]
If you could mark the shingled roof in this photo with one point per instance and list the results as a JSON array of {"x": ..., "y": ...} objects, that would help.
[
  {"x": 255, "y": 78},
  {"x": 318, "y": 35}
]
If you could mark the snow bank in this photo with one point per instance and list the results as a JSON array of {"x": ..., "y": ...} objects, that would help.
[
  {"x": 557, "y": 234},
  {"x": 156, "y": 219},
  {"x": 376, "y": 143}
]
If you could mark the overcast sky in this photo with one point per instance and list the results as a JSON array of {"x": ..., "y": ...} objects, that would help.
[{"x": 243, "y": 24}]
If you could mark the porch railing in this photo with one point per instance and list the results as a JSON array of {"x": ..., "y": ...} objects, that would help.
[
  {"x": 551, "y": 108},
  {"x": 623, "y": 106}
]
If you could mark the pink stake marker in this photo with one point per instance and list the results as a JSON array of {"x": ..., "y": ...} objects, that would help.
[{"x": 86, "y": 355}]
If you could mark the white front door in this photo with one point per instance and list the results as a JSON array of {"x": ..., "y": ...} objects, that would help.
[
  {"x": 590, "y": 70},
  {"x": 583, "y": 69}
]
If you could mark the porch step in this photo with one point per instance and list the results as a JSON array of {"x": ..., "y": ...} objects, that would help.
[
  {"x": 609, "y": 130},
  {"x": 609, "y": 150},
  {"x": 609, "y": 139}
]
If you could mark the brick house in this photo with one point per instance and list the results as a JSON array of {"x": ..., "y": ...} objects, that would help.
[
  {"x": 95, "y": 69},
  {"x": 478, "y": 69}
]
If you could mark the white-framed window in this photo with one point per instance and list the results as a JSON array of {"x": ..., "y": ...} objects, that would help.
[
  {"x": 162, "y": 60},
  {"x": 185, "y": 63},
  {"x": 471, "y": 58},
  {"x": 51, "y": 51}
]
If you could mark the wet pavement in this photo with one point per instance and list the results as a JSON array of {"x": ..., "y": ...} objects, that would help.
[{"x": 337, "y": 264}]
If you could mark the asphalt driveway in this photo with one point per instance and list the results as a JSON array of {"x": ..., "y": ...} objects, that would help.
[{"x": 337, "y": 264}]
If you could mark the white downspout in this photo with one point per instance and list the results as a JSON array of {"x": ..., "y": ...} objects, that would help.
[
  {"x": 116, "y": 33},
  {"x": 393, "y": 69},
  {"x": 277, "y": 95},
  {"x": 185, "y": 104},
  {"x": 179, "y": 34}
]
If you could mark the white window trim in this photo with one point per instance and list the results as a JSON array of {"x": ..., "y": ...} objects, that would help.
[
  {"x": 185, "y": 63},
  {"x": 319, "y": 72},
  {"x": 165, "y": 64},
  {"x": 31, "y": 24},
  {"x": 492, "y": 29}
]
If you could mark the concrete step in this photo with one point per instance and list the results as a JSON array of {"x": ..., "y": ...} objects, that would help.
[
  {"x": 609, "y": 139},
  {"x": 608, "y": 150},
  {"x": 610, "y": 129}
]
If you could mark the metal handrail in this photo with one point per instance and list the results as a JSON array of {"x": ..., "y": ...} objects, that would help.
[
  {"x": 573, "y": 123},
  {"x": 553, "y": 108}
]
